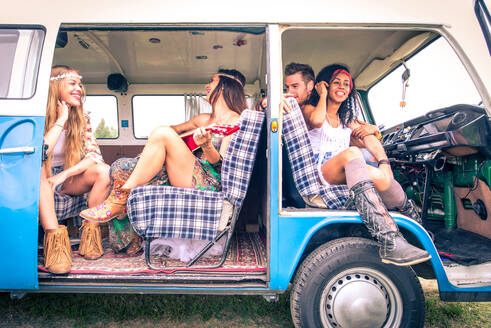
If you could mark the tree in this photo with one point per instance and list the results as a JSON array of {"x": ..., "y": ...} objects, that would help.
[{"x": 103, "y": 131}]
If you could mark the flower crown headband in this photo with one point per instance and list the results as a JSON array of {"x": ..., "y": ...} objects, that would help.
[
  {"x": 231, "y": 77},
  {"x": 64, "y": 75}
]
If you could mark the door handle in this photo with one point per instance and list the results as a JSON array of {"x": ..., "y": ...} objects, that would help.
[{"x": 15, "y": 150}]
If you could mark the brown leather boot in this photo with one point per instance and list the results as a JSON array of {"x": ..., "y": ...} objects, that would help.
[
  {"x": 90, "y": 241},
  {"x": 394, "y": 248},
  {"x": 113, "y": 206},
  {"x": 57, "y": 250}
]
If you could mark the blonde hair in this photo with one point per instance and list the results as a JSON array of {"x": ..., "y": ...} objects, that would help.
[{"x": 76, "y": 124}]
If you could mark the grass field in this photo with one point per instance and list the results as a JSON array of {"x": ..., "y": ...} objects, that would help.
[{"x": 135, "y": 311}]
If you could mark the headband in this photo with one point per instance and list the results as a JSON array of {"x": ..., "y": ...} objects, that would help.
[
  {"x": 231, "y": 77},
  {"x": 64, "y": 75},
  {"x": 342, "y": 70}
]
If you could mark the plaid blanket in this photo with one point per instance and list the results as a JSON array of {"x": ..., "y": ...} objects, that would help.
[
  {"x": 170, "y": 212},
  {"x": 301, "y": 157}
]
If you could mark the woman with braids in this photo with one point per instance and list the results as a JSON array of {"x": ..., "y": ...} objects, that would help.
[
  {"x": 331, "y": 120},
  {"x": 166, "y": 159},
  {"x": 74, "y": 166}
]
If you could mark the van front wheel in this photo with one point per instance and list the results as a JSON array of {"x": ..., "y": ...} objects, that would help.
[{"x": 343, "y": 283}]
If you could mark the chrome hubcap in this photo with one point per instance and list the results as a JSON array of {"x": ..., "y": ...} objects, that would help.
[{"x": 360, "y": 297}]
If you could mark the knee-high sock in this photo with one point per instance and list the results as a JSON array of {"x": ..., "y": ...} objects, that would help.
[
  {"x": 394, "y": 196},
  {"x": 356, "y": 171}
]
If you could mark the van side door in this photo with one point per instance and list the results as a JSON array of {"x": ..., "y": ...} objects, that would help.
[{"x": 22, "y": 112}]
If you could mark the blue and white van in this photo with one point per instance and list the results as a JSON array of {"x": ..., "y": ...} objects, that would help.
[{"x": 423, "y": 75}]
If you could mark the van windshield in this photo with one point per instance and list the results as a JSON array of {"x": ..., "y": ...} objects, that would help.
[{"x": 437, "y": 79}]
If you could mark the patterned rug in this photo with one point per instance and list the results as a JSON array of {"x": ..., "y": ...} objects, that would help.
[{"x": 247, "y": 253}]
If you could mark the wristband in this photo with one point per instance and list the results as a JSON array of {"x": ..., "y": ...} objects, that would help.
[
  {"x": 378, "y": 135},
  {"x": 384, "y": 161}
]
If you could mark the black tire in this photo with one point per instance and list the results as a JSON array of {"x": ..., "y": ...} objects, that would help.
[{"x": 343, "y": 283}]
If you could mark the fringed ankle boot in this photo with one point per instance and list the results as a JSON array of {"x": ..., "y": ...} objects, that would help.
[
  {"x": 394, "y": 248},
  {"x": 113, "y": 206},
  {"x": 57, "y": 250},
  {"x": 90, "y": 241}
]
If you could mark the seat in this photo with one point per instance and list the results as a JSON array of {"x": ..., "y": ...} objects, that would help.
[
  {"x": 299, "y": 150},
  {"x": 171, "y": 212}
]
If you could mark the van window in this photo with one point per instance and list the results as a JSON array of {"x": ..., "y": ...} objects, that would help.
[
  {"x": 484, "y": 19},
  {"x": 103, "y": 115},
  {"x": 20, "y": 52},
  {"x": 437, "y": 80},
  {"x": 150, "y": 111}
]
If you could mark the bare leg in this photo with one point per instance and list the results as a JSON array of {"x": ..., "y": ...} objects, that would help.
[
  {"x": 163, "y": 146},
  {"x": 94, "y": 180},
  {"x": 334, "y": 173},
  {"x": 47, "y": 214}
]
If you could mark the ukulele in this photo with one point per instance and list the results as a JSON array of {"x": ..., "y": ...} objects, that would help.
[{"x": 221, "y": 129}]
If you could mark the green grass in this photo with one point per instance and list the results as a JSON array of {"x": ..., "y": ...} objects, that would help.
[
  {"x": 135, "y": 311},
  {"x": 455, "y": 315}
]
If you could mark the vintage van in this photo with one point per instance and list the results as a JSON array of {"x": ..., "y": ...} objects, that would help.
[{"x": 423, "y": 75}]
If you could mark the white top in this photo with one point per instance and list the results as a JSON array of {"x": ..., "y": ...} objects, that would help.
[
  {"x": 327, "y": 142},
  {"x": 59, "y": 151}
]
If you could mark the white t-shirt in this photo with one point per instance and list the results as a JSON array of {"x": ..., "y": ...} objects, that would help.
[
  {"x": 327, "y": 142},
  {"x": 59, "y": 151}
]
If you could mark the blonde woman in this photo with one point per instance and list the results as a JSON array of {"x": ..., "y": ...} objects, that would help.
[{"x": 74, "y": 166}]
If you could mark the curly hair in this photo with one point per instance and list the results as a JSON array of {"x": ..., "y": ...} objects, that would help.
[{"x": 347, "y": 110}]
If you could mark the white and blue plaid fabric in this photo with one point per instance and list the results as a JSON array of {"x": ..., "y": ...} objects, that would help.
[
  {"x": 171, "y": 212},
  {"x": 239, "y": 161},
  {"x": 301, "y": 157},
  {"x": 67, "y": 206}
]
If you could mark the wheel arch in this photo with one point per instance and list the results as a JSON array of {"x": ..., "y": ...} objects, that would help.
[{"x": 308, "y": 235}]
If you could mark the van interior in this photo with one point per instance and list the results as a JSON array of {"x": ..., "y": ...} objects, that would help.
[{"x": 139, "y": 77}]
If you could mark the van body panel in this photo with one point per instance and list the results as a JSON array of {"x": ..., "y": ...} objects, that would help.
[
  {"x": 296, "y": 231},
  {"x": 287, "y": 234},
  {"x": 19, "y": 199}
]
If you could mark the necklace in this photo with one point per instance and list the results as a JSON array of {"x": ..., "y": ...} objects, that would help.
[{"x": 329, "y": 121}]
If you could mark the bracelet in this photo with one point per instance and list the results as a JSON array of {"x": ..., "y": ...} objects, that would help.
[
  {"x": 378, "y": 135},
  {"x": 60, "y": 125},
  {"x": 384, "y": 161}
]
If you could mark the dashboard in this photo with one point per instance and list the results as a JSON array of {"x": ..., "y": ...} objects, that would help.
[{"x": 458, "y": 130}]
